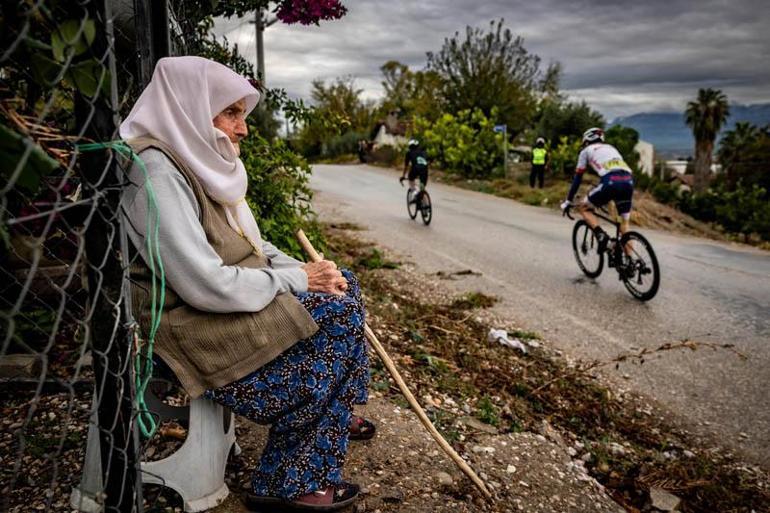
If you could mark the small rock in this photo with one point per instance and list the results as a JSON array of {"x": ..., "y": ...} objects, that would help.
[
  {"x": 688, "y": 454},
  {"x": 663, "y": 500},
  {"x": 476, "y": 424},
  {"x": 444, "y": 479},
  {"x": 510, "y": 469},
  {"x": 392, "y": 495}
]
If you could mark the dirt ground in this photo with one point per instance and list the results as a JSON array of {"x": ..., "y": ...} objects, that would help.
[
  {"x": 542, "y": 433},
  {"x": 403, "y": 470}
]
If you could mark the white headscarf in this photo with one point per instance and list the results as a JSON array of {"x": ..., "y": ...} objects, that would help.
[{"x": 178, "y": 107}]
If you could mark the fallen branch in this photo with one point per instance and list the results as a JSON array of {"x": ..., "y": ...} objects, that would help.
[
  {"x": 315, "y": 257},
  {"x": 639, "y": 356}
]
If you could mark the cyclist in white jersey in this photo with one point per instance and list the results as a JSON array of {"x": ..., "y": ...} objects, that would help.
[{"x": 616, "y": 183}]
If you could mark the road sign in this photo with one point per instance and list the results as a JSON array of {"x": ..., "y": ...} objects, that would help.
[{"x": 500, "y": 128}]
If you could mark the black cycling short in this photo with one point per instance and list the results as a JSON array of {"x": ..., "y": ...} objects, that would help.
[
  {"x": 617, "y": 186},
  {"x": 420, "y": 172}
]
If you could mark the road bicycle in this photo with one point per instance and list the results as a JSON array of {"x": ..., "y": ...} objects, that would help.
[
  {"x": 631, "y": 255},
  {"x": 419, "y": 201}
]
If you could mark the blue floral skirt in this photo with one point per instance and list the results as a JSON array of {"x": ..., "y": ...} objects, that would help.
[{"x": 307, "y": 395}]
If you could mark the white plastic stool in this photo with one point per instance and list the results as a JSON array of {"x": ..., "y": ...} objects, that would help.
[{"x": 196, "y": 471}]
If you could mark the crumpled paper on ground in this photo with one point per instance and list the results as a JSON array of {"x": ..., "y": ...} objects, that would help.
[{"x": 502, "y": 337}]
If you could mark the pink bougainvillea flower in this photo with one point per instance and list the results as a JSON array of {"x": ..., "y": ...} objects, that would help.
[{"x": 309, "y": 12}]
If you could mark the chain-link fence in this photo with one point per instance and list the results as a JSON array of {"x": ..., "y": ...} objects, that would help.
[{"x": 68, "y": 345}]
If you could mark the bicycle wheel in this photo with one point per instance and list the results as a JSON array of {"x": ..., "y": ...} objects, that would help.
[
  {"x": 426, "y": 209},
  {"x": 641, "y": 274},
  {"x": 411, "y": 206},
  {"x": 586, "y": 248}
]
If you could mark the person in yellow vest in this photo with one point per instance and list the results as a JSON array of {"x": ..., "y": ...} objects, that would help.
[{"x": 539, "y": 162}]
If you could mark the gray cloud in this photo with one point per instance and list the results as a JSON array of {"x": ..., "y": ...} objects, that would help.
[{"x": 621, "y": 57}]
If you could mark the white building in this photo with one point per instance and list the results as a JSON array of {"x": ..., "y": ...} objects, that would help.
[{"x": 646, "y": 153}]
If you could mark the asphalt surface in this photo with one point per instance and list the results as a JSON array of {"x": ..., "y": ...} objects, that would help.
[{"x": 710, "y": 292}]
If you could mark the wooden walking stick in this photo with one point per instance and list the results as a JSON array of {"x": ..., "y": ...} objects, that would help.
[{"x": 315, "y": 257}]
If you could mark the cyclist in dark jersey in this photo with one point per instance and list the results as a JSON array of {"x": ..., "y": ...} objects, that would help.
[{"x": 416, "y": 163}]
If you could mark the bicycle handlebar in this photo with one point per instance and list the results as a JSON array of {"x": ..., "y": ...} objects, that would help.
[{"x": 566, "y": 212}]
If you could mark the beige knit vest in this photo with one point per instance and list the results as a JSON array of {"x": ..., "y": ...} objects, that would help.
[{"x": 204, "y": 349}]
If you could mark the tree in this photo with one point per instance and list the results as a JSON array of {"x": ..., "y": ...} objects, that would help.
[
  {"x": 705, "y": 116},
  {"x": 624, "y": 138},
  {"x": 752, "y": 166},
  {"x": 491, "y": 69},
  {"x": 557, "y": 119},
  {"x": 733, "y": 147},
  {"x": 337, "y": 110},
  {"x": 194, "y": 19},
  {"x": 413, "y": 93}
]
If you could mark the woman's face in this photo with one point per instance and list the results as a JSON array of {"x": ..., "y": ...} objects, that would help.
[{"x": 233, "y": 123}]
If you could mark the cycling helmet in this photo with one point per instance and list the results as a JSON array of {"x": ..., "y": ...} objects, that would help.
[
  {"x": 413, "y": 142},
  {"x": 539, "y": 140},
  {"x": 593, "y": 135}
]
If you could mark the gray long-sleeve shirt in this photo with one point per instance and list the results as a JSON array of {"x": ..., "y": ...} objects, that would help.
[{"x": 193, "y": 269}]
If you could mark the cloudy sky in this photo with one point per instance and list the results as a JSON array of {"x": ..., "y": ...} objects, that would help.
[{"x": 622, "y": 57}]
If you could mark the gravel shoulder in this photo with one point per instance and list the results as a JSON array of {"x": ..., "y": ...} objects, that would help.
[{"x": 402, "y": 469}]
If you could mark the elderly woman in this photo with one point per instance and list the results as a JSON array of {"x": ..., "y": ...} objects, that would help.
[{"x": 279, "y": 341}]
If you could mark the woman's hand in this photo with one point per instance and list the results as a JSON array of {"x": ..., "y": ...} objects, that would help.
[{"x": 324, "y": 276}]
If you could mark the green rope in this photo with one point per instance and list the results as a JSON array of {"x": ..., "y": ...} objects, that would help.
[{"x": 143, "y": 361}]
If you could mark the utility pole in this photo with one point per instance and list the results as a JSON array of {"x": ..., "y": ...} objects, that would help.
[{"x": 260, "y": 24}]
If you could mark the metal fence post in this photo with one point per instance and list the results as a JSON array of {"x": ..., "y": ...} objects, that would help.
[{"x": 109, "y": 337}]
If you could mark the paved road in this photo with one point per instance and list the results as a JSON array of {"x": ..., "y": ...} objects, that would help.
[{"x": 710, "y": 292}]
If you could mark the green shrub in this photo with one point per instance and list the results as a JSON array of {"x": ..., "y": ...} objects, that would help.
[
  {"x": 665, "y": 193},
  {"x": 344, "y": 144},
  {"x": 564, "y": 156},
  {"x": 279, "y": 193},
  {"x": 745, "y": 210},
  {"x": 465, "y": 144}
]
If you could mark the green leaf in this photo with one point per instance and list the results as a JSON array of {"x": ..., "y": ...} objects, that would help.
[
  {"x": 69, "y": 37},
  {"x": 37, "y": 44},
  {"x": 36, "y": 164},
  {"x": 44, "y": 70},
  {"x": 85, "y": 76}
]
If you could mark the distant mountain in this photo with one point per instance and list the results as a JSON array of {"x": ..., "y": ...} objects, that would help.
[{"x": 671, "y": 137}]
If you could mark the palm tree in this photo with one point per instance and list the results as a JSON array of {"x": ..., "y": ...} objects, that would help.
[
  {"x": 734, "y": 144},
  {"x": 705, "y": 116}
]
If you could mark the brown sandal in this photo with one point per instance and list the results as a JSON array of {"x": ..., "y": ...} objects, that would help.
[
  {"x": 333, "y": 498},
  {"x": 361, "y": 429}
]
